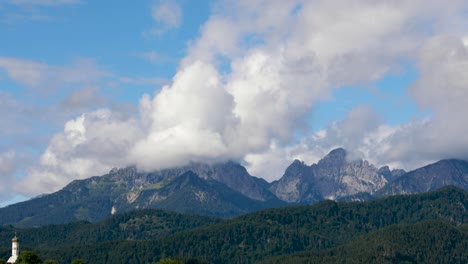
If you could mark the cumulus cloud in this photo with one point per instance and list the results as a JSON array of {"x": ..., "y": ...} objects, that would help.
[
  {"x": 283, "y": 57},
  {"x": 187, "y": 120},
  {"x": 89, "y": 145},
  {"x": 441, "y": 88}
]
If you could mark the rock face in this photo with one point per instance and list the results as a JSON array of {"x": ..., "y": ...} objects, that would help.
[
  {"x": 392, "y": 175},
  {"x": 332, "y": 177},
  {"x": 434, "y": 176},
  {"x": 233, "y": 175}
]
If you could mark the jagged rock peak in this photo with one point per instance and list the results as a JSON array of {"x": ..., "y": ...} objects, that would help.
[
  {"x": 335, "y": 157},
  {"x": 297, "y": 162},
  {"x": 384, "y": 170},
  {"x": 126, "y": 170}
]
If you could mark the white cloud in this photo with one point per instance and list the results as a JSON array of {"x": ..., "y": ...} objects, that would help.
[
  {"x": 186, "y": 121},
  {"x": 155, "y": 57},
  {"x": 143, "y": 80},
  {"x": 442, "y": 88},
  {"x": 283, "y": 56},
  {"x": 43, "y": 76},
  {"x": 15, "y": 11},
  {"x": 167, "y": 14},
  {"x": 7, "y": 171},
  {"x": 7, "y": 166},
  {"x": 89, "y": 145},
  {"x": 83, "y": 98}
]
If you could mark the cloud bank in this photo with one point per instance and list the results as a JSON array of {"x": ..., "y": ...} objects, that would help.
[{"x": 248, "y": 82}]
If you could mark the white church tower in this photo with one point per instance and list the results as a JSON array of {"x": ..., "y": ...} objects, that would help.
[{"x": 14, "y": 250}]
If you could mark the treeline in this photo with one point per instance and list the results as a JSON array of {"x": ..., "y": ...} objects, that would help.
[{"x": 390, "y": 230}]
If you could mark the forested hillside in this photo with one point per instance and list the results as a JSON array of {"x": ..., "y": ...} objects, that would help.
[
  {"x": 424, "y": 242},
  {"x": 329, "y": 231},
  {"x": 138, "y": 225}
]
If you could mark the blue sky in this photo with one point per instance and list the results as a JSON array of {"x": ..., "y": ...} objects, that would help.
[{"x": 261, "y": 82}]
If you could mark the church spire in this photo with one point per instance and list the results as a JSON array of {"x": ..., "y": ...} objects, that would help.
[{"x": 14, "y": 250}]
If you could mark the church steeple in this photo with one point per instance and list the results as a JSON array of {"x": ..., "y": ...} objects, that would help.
[
  {"x": 14, "y": 250},
  {"x": 15, "y": 246}
]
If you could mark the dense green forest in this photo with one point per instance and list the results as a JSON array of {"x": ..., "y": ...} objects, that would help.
[
  {"x": 424, "y": 242},
  {"x": 137, "y": 225},
  {"x": 423, "y": 228}
]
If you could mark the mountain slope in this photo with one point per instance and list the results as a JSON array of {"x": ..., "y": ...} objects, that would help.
[
  {"x": 122, "y": 190},
  {"x": 442, "y": 173},
  {"x": 189, "y": 193}
]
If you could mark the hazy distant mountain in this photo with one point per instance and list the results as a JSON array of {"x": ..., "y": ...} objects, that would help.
[
  {"x": 430, "y": 177},
  {"x": 331, "y": 178}
]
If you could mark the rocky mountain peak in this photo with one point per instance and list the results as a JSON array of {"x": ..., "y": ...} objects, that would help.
[
  {"x": 130, "y": 170},
  {"x": 332, "y": 177},
  {"x": 336, "y": 157},
  {"x": 296, "y": 168},
  {"x": 390, "y": 175},
  {"x": 384, "y": 170}
]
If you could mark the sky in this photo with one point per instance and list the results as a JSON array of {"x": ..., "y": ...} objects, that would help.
[{"x": 86, "y": 86}]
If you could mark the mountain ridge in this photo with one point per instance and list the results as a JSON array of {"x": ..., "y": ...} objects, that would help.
[{"x": 227, "y": 189}]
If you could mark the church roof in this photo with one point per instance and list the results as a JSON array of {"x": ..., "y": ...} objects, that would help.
[{"x": 12, "y": 259}]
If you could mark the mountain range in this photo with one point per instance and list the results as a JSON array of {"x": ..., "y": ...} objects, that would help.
[{"x": 227, "y": 189}]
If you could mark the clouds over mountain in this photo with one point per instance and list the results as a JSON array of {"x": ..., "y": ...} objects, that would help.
[{"x": 247, "y": 83}]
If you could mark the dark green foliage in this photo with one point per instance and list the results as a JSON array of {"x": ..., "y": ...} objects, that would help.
[
  {"x": 425, "y": 242},
  {"x": 137, "y": 225},
  {"x": 5, "y": 252},
  {"x": 50, "y": 261},
  {"x": 78, "y": 261},
  {"x": 180, "y": 261},
  {"x": 170, "y": 261},
  {"x": 2, "y": 261},
  {"x": 274, "y": 232},
  {"x": 28, "y": 257},
  {"x": 464, "y": 229},
  {"x": 390, "y": 230}
]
